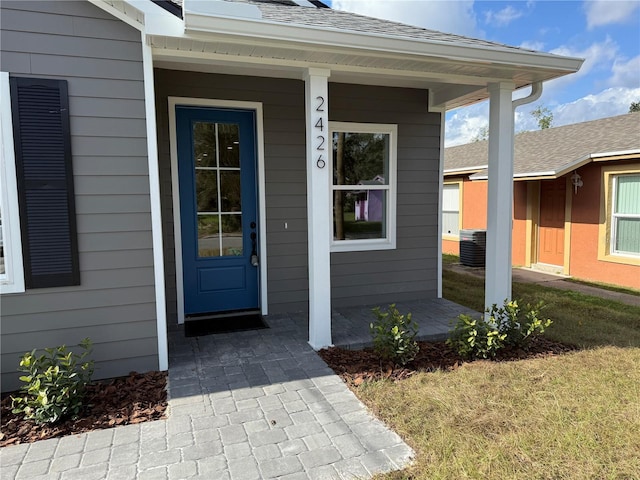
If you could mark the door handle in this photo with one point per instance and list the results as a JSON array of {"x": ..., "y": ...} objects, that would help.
[{"x": 255, "y": 261}]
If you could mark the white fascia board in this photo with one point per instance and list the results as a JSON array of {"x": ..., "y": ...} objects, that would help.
[
  {"x": 634, "y": 151},
  {"x": 450, "y": 171},
  {"x": 267, "y": 30},
  {"x": 143, "y": 15}
]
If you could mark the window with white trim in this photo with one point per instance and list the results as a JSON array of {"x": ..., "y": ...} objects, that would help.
[
  {"x": 451, "y": 209},
  {"x": 11, "y": 267},
  {"x": 625, "y": 215},
  {"x": 363, "y": 186}
]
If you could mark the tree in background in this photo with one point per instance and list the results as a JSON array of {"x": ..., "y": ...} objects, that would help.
[
  {"x": 634, "y": 107},
  {"x": 544, "y": 117},
  {"x": 483, "y": 134}
]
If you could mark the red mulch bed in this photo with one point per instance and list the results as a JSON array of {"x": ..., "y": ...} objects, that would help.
[
  {"x": 136, "y": 398},
  {"x": 358, "y": 366}
]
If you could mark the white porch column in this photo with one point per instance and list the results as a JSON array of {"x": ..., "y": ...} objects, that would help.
[
  {"x": 500, "y": 198},
  {"x": 319, "y": 216}
]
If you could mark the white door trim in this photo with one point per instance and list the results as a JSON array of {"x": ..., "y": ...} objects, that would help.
[{"x": 262, "y": 211}]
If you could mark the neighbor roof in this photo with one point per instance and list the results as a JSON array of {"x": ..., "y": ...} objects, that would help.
[{"x": 553, "y": 152}]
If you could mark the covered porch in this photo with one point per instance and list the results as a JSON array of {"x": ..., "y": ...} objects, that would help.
[{"x": 308, "y": 74}]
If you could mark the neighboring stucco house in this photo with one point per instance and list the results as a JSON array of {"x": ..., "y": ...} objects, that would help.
[
  {"x": 576, "y": 208},
  {"x": 152, "y": 149}
]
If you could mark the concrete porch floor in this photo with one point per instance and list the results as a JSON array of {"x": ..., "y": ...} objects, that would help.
[{"x": 247, "y": 405}]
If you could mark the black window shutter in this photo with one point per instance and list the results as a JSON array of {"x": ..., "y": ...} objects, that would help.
[{"x": 40, "y": 109}]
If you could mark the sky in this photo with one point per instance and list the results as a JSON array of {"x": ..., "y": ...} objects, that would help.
[{"x": 606, "y": 33}]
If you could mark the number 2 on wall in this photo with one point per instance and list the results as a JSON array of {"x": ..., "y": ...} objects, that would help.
[{"x": 320, "y": 163}]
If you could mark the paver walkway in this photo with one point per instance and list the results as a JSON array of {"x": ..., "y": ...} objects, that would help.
[{"x": 247, "y": 405}]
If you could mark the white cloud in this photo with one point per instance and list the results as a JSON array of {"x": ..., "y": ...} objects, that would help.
[
  {"x": 464, "y": 124},
  {"x": 445, "y": 16},
  {"x": 626, "y": 74},
  {"x": 538, "y": 46},
  {"x": 502, "y": 17},
  {"x": 607, "y": 12},
  {"x": 598, "y": 56},
  {"x": 607, "y": 103}
]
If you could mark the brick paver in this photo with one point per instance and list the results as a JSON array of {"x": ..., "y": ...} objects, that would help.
[{"x": 248, "y": 405}]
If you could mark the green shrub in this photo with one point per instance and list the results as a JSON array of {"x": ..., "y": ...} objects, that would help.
[
  {"x": 519, "y": 325},
  {"x": 394, "y": 335},
  {"x": 476, "y": 338},
  {"x": 54, "y": 383},
  {"x": 507, "y": 325}
]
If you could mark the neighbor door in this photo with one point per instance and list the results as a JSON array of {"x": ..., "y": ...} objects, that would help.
[
  {"x": 551, "y": 223},
  {"x": 218, "y": 209}
]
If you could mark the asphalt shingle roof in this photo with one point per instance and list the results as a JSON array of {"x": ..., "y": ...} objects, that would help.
[
  {"x": 287, "y": 11},
  {"x": 553, "y": 149}
]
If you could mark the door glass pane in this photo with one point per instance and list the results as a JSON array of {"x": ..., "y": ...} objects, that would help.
[
  {"x": 217, "y": 188},
  {"x": 232, "y": 235},
  {"x": 230, "y": 191},
  {"x": 208, "y": 236},
  {"x": 207, "y": 190},
  {"x": 204, "y": 144},
  {"x": 359, "y": 214},
  {"x": 229, "y": 144}
]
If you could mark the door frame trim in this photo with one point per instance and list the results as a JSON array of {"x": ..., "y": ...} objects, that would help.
[{"x": 175, "y": 190}]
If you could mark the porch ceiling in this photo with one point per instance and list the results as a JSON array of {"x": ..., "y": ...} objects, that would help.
[
  {"x": 452, "y": 82},
  {"x": 261, "y": 39}
]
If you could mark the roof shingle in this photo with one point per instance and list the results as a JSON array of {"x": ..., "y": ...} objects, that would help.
[
  {"x": 287, "y": 11},
  {"x": 553, "y": 149}
]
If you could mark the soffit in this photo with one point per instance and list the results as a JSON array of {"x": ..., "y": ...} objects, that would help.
[{"x": 288, "y": 39}]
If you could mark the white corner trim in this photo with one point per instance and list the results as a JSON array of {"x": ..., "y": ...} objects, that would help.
[
  {"x": 440, "y": 202},
  {"x": 156, "y": 206},
  {"x": 12, "y": 281},
  {"x": 173, "y": 102}
]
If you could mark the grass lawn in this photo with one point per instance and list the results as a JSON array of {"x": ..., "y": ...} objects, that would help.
[{"x": 575, "y": 416}]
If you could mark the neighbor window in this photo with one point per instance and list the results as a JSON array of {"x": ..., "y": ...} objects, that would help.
[
  {"x": 625, "y": 215},
  {"x": 619, "y": 228},
  {"x": 451, "y": 209},
  {"x": 363, "y": 186}
]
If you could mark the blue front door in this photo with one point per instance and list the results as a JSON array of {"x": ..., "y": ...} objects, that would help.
[{"x": 218, "y": 209}]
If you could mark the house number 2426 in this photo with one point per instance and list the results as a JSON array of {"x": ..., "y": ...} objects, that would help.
[{"x": 320, "y": 139}]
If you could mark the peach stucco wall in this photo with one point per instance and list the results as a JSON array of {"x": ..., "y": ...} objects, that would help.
[
  {"x": 585, "y": 219},
  {"x": 519, "y": 233},
  {"x": 474, "y": 216}
]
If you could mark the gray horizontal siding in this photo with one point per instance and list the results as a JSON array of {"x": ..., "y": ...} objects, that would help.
[
  {"x": 409, "y": 272},
  {"x": 284, "y": 138},
  {"x": 101, "y": 58}
]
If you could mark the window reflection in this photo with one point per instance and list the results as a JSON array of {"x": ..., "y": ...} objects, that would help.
[
  {"x": 360, "y": 160},
  {"x": 218, "y": 189}
]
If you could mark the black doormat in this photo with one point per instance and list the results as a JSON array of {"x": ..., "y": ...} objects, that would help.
[{"x": 197, "y": 327}]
